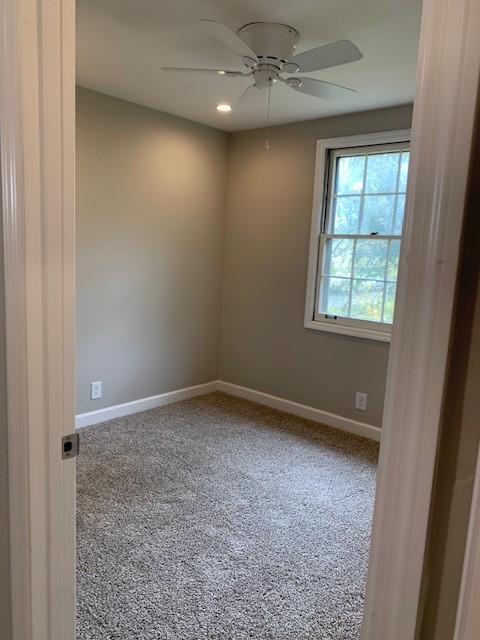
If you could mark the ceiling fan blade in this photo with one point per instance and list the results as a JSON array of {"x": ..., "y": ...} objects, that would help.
[
  {"x": 328, "y": 55},
  {"x": 318, "y": 88},
  {"x": 229, "y": 38},
  {"x": 218, "y": 72},
  {"x": 250, "y": 92}
]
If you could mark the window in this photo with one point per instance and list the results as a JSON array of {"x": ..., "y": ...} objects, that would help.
[{"x": 356, "y": 234}]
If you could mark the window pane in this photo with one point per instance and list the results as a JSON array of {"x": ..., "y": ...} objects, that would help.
[
  {"x": 370, "y": 259},
  {"x": 397, "y": 227},
  {"x": 390, "y": 290},
  {"x": 382, "y": 172},
  {"x": 402, "y": 185},
  {"x": 338, "y": 258},
  {"x": 393, "y": 255},
  {"x": 346, "y": 212},
  {"x": 378, "y": 214},
  {"x": 335, "y": 296},
  {"x": 367, "y": 200},
  {"x": 367, "y": 298},
  {"x": 349, "y": 173}
]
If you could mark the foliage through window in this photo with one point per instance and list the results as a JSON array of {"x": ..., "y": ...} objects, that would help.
[{"x": 364, "y": 204}]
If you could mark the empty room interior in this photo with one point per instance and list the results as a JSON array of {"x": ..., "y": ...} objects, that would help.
[{"x": 241, "y": 178}]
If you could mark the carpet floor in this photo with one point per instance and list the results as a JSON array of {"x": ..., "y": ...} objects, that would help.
[{"x": 217, "y": 518}]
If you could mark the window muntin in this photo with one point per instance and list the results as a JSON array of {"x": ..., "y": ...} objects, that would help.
[{"x": 364, "y": 206}]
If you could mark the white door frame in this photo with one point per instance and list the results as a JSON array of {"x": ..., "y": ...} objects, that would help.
[
  {"x": 444, "y": 113},
  {"x": 37, "y": 132},
  {"x": 37, "y": 154}
]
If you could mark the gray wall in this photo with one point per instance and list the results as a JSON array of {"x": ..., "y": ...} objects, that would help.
[
  {"x": 264, "y": 344},
  {"x": 150, "y": 224},
  {"x": 153, "y": 199}
]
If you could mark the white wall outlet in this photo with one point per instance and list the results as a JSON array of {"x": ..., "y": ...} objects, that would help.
[
  {"x": 361, "y": 401},
  {"x": 96, "y": 390}
]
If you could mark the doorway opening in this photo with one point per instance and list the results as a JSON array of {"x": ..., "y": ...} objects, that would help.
[{"x": 229, "y": 399}]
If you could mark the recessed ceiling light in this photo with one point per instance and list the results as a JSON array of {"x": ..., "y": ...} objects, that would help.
[
  {"x": 221, "y": 73},
  {"x": 224, "y": 108}
]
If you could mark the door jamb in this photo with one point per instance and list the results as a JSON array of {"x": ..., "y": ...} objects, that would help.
[
  {"x": 37, "y": 136},
  {"x": 442, "y": 129},
  {"x": 468, "y": 617},
  {"x": 37, "y": 151}
]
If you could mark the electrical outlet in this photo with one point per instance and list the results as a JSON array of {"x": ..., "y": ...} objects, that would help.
[
  {"x": 361, "y": 401},
  {"x": 96, "y": 390}
]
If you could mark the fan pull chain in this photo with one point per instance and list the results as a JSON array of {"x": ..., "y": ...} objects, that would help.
[{"x": 267, "y": 138}]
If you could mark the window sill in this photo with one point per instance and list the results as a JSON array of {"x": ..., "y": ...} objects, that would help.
[{"x": 346, "y": 330}]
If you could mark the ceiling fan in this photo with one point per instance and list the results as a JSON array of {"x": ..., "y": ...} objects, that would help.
[{"x": 267, "y": 52}]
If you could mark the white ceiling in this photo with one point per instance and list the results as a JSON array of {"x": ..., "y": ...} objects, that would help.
[{"x": 121, "y": 45}]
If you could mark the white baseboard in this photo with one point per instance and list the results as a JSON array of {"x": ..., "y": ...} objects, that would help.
[
  {"x": 302, "y": 410},
  {"x": 143, "y": 404}
]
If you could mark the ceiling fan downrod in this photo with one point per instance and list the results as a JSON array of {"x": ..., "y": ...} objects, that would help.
[{"x": 267, "y": 136}]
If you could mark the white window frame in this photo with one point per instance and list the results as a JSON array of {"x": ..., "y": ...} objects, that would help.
[{"x": 325, "y": 149}]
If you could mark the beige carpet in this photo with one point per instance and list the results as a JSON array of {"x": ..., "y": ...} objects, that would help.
[{"x": 216, "y": 518}]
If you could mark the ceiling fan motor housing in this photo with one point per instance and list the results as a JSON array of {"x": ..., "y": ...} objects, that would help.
[{"x": 273, "y": 43}]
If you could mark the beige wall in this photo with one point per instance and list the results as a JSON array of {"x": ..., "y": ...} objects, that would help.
[
  {"x": 152, "y": 197},
  {"x": 264, "y": 344},
  {"x": 150, "y": 221}
]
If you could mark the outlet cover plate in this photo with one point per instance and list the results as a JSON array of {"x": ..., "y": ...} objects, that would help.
[
  {"x": 96, "y": 390},
  {"x": 361, "y": 401}
]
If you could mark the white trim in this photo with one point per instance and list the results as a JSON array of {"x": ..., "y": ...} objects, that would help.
[
  {"x": 15, "y": 308},
  {"x": 349, "y": 328},
  {"x": 346, "y": 330},
  {"x": 37, "y": 158},
  {"x": 302, "y": 410},
  {"x": 443, "y": 119},
  {"x": 282, "y": 404},
  {"x": 468, "y": 613},
  {"x": 143, "y": 404}
]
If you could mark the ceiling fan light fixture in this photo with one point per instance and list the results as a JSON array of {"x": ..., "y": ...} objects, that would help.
[
  {"x": 223, "y": 107},
  {"x": 291, "y": 67},
  {"x": 294, "y": 83}
]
